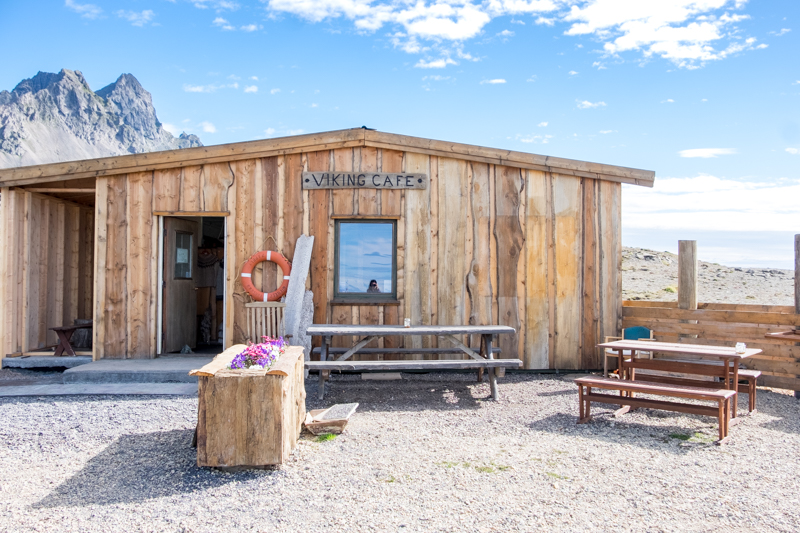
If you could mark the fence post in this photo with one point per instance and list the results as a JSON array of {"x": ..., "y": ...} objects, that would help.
[
  {"x": 687, "y": 279},
  {"x": 797, "y": 288}
]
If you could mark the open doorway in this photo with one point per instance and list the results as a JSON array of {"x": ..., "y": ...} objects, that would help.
[{"x": 192, "y": 285}]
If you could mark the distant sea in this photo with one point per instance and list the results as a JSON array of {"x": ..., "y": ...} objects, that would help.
[{"x": 764, "y": 249}]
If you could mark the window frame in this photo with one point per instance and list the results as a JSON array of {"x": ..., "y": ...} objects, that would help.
[
  {"x": 190, "y": 262},
  {"x": 365, "y": 297}
]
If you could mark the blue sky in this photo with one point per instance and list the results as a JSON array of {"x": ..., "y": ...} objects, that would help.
[{"x": 704, "y": 92}]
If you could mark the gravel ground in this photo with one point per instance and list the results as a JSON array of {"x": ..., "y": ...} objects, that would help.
[
  {"x": 651, "y": 275},
  {"x": 429, "y": 453},
  {"x": 24, "y": 376}
]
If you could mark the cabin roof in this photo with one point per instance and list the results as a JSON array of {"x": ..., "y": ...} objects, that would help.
[{"x": 356, "y": 137}]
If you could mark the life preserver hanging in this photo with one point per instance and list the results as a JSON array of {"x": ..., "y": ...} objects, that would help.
[{"x": 247, "y": 272}]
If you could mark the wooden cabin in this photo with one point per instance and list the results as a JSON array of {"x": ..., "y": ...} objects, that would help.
[{"x": 486, "y": 236}]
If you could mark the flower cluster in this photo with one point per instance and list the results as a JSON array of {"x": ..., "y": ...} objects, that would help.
[{"x": 259, "y": 356}]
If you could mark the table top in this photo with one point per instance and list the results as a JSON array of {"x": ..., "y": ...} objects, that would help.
[
  {"x": 687, "y": 349},
  {"x": 365, "y": 329}
]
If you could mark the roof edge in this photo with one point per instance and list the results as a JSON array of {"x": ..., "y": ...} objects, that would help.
[{"x": 113, "y": 165}]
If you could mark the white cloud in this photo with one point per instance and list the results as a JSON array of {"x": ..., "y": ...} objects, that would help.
[
  {"x": 586, "y": 104},
  {"x": 224, "y": 24},
  {"x": 274, "y": 91},
  {"x": 712, "y": 203},
  {"x": 208, "y": 127},
  {"x": 497, "y": 81},
  {"x": 251, "y": 28},
  {"x": 783, "y": 31},
  {"x": 136, "y": 19},
  {"x": 219, "y": 5},
  {"x": 534, "y": 139},
  {"x": 706, "y": 152},
  {"x": 599, "y": 65},
  {"x": 269, "y": 132},
  {"x": 606, "y": 132},
  {"x": 668, "y": 101},
  {"x": 295, "y": 132},
  {"x": 208, "y": 88},
  {"x": 532, "y": 78},
  {"x": 435, "y": 63},
  {"x": 796, "y": 83},
  {"x": 506, "y": 33},
  {"x": 686, "y": 32},
  {"x": 254, "y": 78},
  {"x": 572, "y": 73},
  {"x": 542, "y": 124},
  {"x": 251, "y": 89},
  {"x": 793, "y": 151},
  {"x": 87, "y": 11},
  {"x": 314, "y": 105},
  {"x": 170, "y": 128}
]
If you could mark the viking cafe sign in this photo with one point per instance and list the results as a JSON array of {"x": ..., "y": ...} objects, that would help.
[{"x": 363, "y": 180}]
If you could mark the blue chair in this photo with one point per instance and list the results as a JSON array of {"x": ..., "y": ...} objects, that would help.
[{"x": 628, "y": 334}]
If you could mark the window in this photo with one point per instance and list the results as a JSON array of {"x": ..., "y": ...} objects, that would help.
[
  {"x": 183, "y": 255},
  {"x": 365, "y": 259}
]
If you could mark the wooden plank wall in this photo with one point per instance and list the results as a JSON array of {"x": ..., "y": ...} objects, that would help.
[
  {"x": 44, "y": 277},
  {"x": 483, "y": 244},
  {"x": 727, "y": 324}
]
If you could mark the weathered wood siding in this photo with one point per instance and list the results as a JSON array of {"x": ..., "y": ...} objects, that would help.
[
  {"x": 484, "y": 243},
  {"x": 45, "y": 275}
]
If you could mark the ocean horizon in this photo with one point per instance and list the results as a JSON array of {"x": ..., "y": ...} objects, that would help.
[{"x": 757, "y": 249}]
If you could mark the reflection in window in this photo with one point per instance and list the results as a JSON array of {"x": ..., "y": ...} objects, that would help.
[
  {"x": 183, "y": 255},
  {"x": 365, "y": 262}
]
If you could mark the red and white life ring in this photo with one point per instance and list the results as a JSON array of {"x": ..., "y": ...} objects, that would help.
[{"x": 247, "y": 273}]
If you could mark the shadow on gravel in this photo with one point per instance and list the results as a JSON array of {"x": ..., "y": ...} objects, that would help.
[
  {"x": 631, "y": 433},
  {"x": 140, "y": 467},
  {"x": 418, "y": 393}
]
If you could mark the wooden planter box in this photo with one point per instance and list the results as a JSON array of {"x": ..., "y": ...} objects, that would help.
[{"x": 250, "y": 418}]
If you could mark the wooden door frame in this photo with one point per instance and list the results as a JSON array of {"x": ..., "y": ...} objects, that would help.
[{"x": 160, "y": 303}]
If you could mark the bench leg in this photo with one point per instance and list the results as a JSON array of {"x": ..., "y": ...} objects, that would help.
[
  {"x": 752, "y": 394},
  {"x": 480, "y": 375},
  {"x": 493, "y": 384},
  {"x": 321, "y": 390}
]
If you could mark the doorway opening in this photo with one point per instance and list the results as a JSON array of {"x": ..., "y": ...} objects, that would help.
[{"x": 192, "y": 286}]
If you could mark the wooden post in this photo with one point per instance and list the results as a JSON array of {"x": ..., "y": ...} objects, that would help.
[
  {"x": 797, "y": 287},
  {"x": 687, "y": 279},
  {"x": 687, "y": 274}
]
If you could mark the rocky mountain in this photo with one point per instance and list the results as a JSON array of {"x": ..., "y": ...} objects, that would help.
[{"x": 57, "y": 117}]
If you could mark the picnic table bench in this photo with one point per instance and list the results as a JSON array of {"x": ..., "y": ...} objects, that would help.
[
  {"x": 64, "y": 334},
  {"x": 482, "y": 359},
  {"x": 627, "y": 388}
]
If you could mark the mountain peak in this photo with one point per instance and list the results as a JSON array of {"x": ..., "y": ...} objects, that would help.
[{"x": 56, "y": 117}]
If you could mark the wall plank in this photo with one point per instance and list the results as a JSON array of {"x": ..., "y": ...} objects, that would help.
[
  {"x": 418, "y": 275},
  {"x": 217, "y": 180},
  {"x": 166, "y": 189},
  {"x": 392, "y": 204},
  {"x": 510, "y": 240},
  {"x": 567, "y": 237},
  {"x": 479, "y": 282},
  {"x": 243, "y": 246},
  {"x": 319, "y": 204},
  {"x": 140, "y": 266},
  {"x": 537, "y": 249},
  {"x": 293, "y": 204},
  {"x": 72, "y": 242},
  {"x": 590, "y": 311},
  {"x": 114, "y": 306},
  {"x": 191, "y": 197}
]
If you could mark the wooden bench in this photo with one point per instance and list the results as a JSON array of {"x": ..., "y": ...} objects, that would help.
[
  {"x": 628, "y": 388},
  {"x": 747, "y": 383},
  {"x": 64, "y": 334},
  {"x": 397, "y": 351}
]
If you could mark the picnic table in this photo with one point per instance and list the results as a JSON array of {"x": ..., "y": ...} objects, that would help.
[
  {"x": 64, "y": 334},
  {"x": 484, "y": 358},
  {"x": 727, "y": 371}
]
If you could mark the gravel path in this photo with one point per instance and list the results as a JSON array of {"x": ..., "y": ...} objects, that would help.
[{"x": 429, "y": 453}]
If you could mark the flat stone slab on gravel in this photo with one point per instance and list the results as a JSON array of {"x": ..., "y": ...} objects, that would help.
[
  {"x": 46, "y": 361},
  {"x": 159, "y": 370},
  {"x": 85, "y": 389}
]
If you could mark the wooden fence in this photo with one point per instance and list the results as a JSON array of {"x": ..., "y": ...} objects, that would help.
[{"x": 725, "y": 325}]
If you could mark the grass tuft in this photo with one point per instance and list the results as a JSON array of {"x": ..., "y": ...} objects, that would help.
[{"x": 325, "y": 437}]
